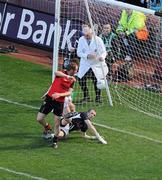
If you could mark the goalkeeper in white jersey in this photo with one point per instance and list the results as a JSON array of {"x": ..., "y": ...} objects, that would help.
[{"x": 80, "y": 121}]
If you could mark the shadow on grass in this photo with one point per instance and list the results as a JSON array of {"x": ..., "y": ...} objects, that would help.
[
  {"x": 20, "y": 141},
  {"x": 26, "y": 141}
]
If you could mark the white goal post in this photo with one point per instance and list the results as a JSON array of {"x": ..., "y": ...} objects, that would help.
[
  {"x": 56, "y": 38},
  {"x": 136, "y": 83},
  {"x": 106, "y": 82},
  {"x": 56, "y": 44}
]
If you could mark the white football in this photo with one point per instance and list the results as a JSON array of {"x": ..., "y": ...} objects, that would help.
[{"x": 101, "y": 84}]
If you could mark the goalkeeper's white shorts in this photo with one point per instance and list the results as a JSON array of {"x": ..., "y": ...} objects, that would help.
[{"x": 65, "y": 129}]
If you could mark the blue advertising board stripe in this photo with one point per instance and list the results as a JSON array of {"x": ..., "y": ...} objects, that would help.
[{"x": 37, "y": 28}]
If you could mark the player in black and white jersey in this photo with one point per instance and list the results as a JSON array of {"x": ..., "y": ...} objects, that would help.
[{"x": 80, "y": 121}]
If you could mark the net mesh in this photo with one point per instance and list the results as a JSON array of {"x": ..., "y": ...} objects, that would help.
[{"x": 135, "y": 73}]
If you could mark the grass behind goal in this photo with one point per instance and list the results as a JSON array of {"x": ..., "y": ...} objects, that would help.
[{"x": 130, "y": 153}]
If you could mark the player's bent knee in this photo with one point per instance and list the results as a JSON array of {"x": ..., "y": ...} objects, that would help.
[
  {"x": 40, "y": 117},
  {"x": 62, "y": 134}
]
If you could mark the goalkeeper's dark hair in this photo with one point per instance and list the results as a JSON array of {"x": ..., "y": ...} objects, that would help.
[{"x": 89, "y": 110}]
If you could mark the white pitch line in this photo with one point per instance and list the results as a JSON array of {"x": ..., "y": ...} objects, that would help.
[
  {"x": 100, "y": 125},
  {"x": 128, "y": 132},
  {"x": 21, "y": 173},
  {"x": 17, "y": 103}
]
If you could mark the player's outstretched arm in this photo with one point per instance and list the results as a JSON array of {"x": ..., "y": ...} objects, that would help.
[
  {"x": 61, "y": 74},
  {"x": 57, "y": 95},
  {"x": 94, "y": 131},
  {"x": 87, "y": 136}
]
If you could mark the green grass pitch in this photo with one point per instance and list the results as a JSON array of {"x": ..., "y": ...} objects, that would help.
[{"x": 133, "y": 152}]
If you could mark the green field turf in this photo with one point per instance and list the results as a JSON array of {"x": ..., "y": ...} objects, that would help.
[{"x": 133, "y": 152}]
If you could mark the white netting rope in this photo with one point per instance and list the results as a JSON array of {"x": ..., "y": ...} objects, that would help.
[{"x": 136, "y": 83}]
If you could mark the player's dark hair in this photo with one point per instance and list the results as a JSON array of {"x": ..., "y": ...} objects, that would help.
[
  {"x": 73, "y": 64},
  {"x": 75, "y": 60}
]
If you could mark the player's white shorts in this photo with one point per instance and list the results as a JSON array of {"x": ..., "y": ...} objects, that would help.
[
  {"x": 68, "y": 99},
  {"x": 65, "y": 129}
]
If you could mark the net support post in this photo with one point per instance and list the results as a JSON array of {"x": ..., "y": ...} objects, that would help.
[
  {"x": 107, "y": 85},
  {"x": 56, "y": 38}
]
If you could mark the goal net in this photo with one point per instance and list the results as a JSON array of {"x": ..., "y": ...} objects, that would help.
[{"x": 134, "y": 61}]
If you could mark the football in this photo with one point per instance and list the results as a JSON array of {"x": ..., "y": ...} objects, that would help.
[{"x": 101, "y": 84}]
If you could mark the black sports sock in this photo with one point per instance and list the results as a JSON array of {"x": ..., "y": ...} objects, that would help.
[{"x": 55, "y": 139}]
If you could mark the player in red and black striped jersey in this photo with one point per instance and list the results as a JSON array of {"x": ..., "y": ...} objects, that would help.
[
  {"x": 79, "y": 121},
  {"x": 54, "y": 98}
]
